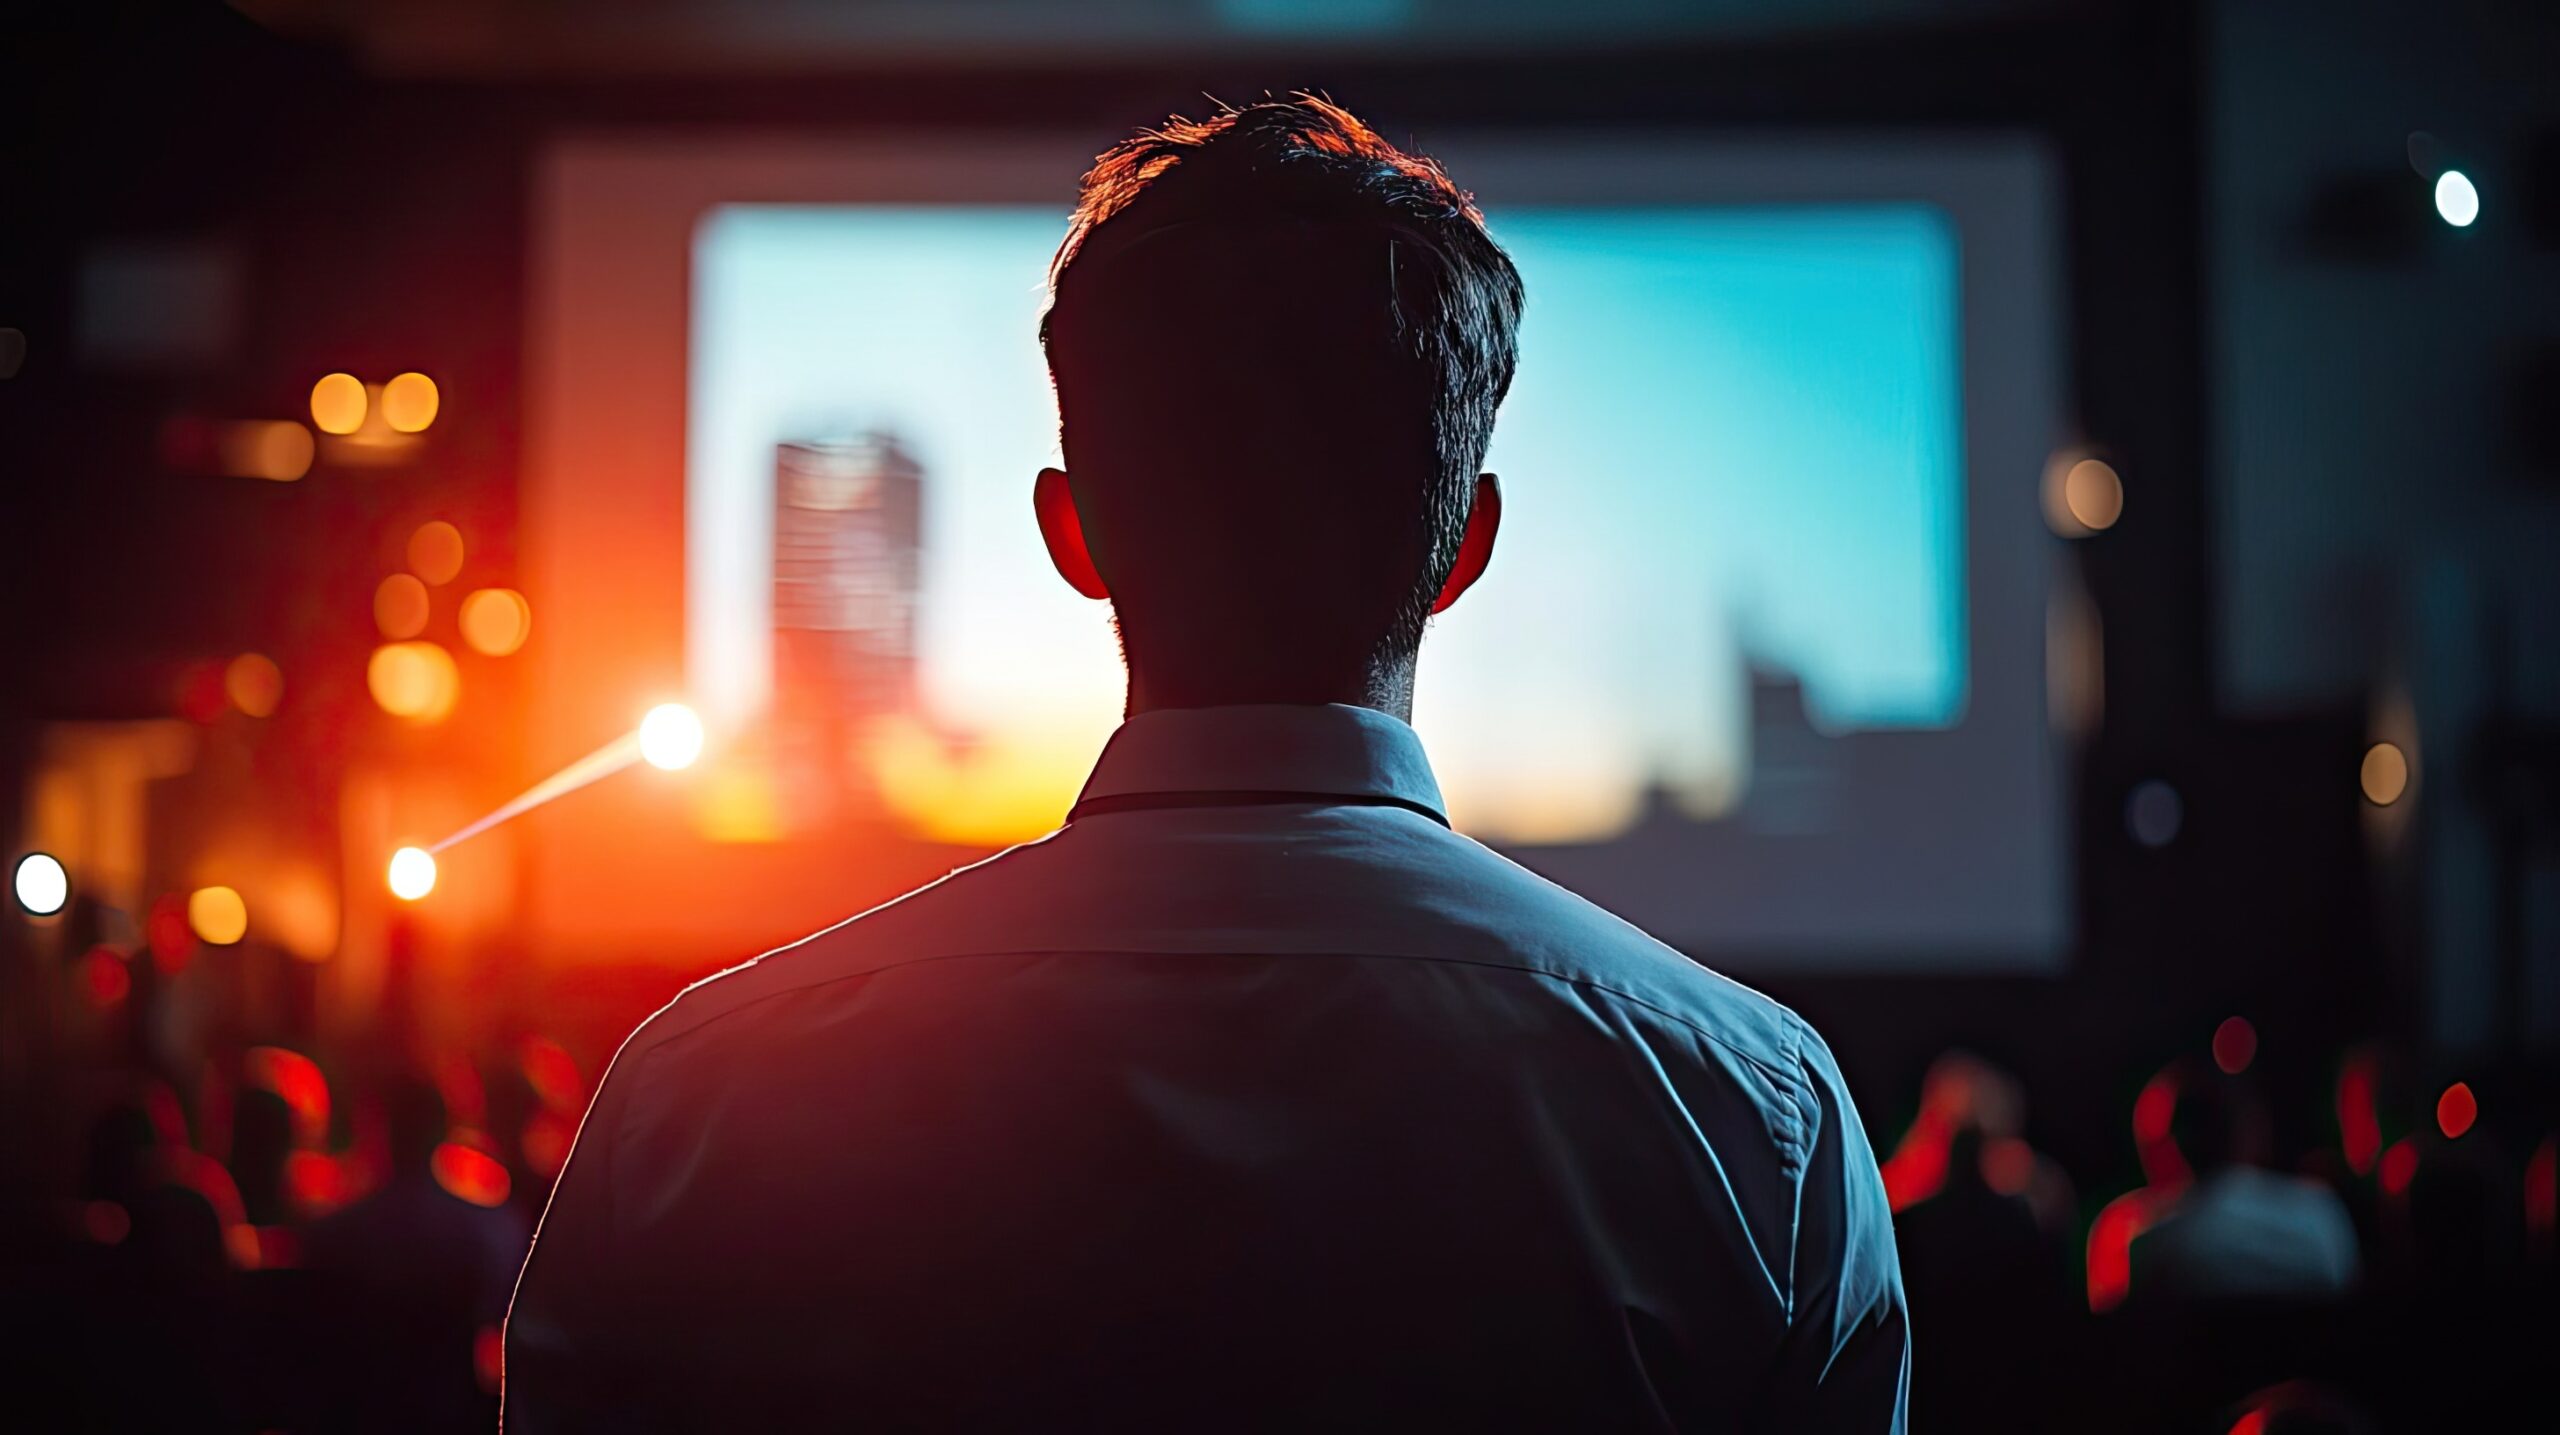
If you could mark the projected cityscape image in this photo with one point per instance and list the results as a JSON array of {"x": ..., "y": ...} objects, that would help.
[{"x": 1733, "y": 548}]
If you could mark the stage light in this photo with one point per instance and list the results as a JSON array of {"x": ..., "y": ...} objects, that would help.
[
  {"x": 217, "y": 915},
  {"x": 409, "y": 403},
  {"x": 2456, "y": 1110},
  {"x": 413, "y": 873},
  {"x": 2457, "y": 199},
  {"x": 496, "y": 621},
  {"x": 400, "y": 606},
  {"x": 435, "y": 552},
  {"x": 670, "y": 737},
  {"x": 42, "y": 886},
  {"x": 2385, "y": 775},
  {"x": 254, "y": 684},
  {"x": 338, "y": 404},
  {"x": 417, "y": 681}
]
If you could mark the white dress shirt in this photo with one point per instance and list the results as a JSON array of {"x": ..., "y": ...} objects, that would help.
[{"x": 1252, "y": 1098}]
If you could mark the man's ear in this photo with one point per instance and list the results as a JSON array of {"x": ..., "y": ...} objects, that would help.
[
  {"x": 1475, "y": 550},
  {"x": 1062, "y": 528}
]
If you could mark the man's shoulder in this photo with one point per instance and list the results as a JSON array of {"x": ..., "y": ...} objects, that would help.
[
  {"x": 1560, "y": 934},
  {"x": 896, "y": 932},
  {"x": 1456, "y": 904}
]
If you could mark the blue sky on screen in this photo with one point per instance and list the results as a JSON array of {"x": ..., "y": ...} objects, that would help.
[{"x": 1735, "y": 431}]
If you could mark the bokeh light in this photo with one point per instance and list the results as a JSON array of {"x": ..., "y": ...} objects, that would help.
[
  {"x": 496, "y": 621},
  {"x": 2093, "y": 494},
  {"x": 413, "y": 873},
  {"x": 2399, "y": 1167},
  {"x": 40, "y": 884},
  {"x": 166, "y": 933},
  {"x": 414, "y": 680},
  {"x": 400, "y": 606},
  {"x": 2154, "y": 813},
  {"x": 409, "y": 403},
  {"x": 2457, "y": 198},
  {"x": 2385, "y": 774},
  {"x": 2235, "y": 1045},
  {"x": 254, "y": 684},
  {"x": 104, "y": 975},
  {"x": 280, "y": 451},
  {"x": 435, "y": 552},
  {"x": 217, "y": 915},
  {"x": 338, "y": 404},
  {"x": 2456, "y": 1110},
  {"x": 670, "y": 736},
  {"x": 470, "y": 1174}
]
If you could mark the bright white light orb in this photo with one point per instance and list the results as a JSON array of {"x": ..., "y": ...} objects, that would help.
[
  {"x": 413, "y": 873},
  {"x": 2457, "y": 199},
  {"x": 41, "y": 884},
  {"x": 670, "y": 737}
]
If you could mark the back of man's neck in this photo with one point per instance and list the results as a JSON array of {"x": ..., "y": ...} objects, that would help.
[{"x": 1388, "y": 687}]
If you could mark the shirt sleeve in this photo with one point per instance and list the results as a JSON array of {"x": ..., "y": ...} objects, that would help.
[
  {"x": 569, "y": 1361},
  {"x": 1845, "y": 1363}
]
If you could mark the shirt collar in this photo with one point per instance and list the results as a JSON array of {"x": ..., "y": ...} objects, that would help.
[{"x": 1262, "y": 751}]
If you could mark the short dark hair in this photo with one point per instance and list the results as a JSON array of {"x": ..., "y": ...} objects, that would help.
[{"x": 1275, "y": 300}]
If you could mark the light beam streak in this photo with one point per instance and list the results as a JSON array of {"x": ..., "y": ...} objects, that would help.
[{"x": 602, "y": 763}]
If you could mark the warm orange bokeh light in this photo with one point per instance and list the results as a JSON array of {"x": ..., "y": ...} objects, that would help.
[
  {"x": 400, "y": 606},
  {"x": 254, "y": 684},
  {"x": 417, "y": 681},
  {"x": 338, "y": 404},
  {"x": 2082, "y": 495},
  {"x": 409, "y": 403},
  {"x": 2235, "y": 1045},
  {"x": 496, "y": 621},
  {"x": 217, "y": 915},
  {"x": 2456, "y": 1110},
  {"x": 2385, "y": 774},
  {"x": 2094, "y": 494},
  {"x": 279, "y": 451},
  {"x": 435, "y": 552}
]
